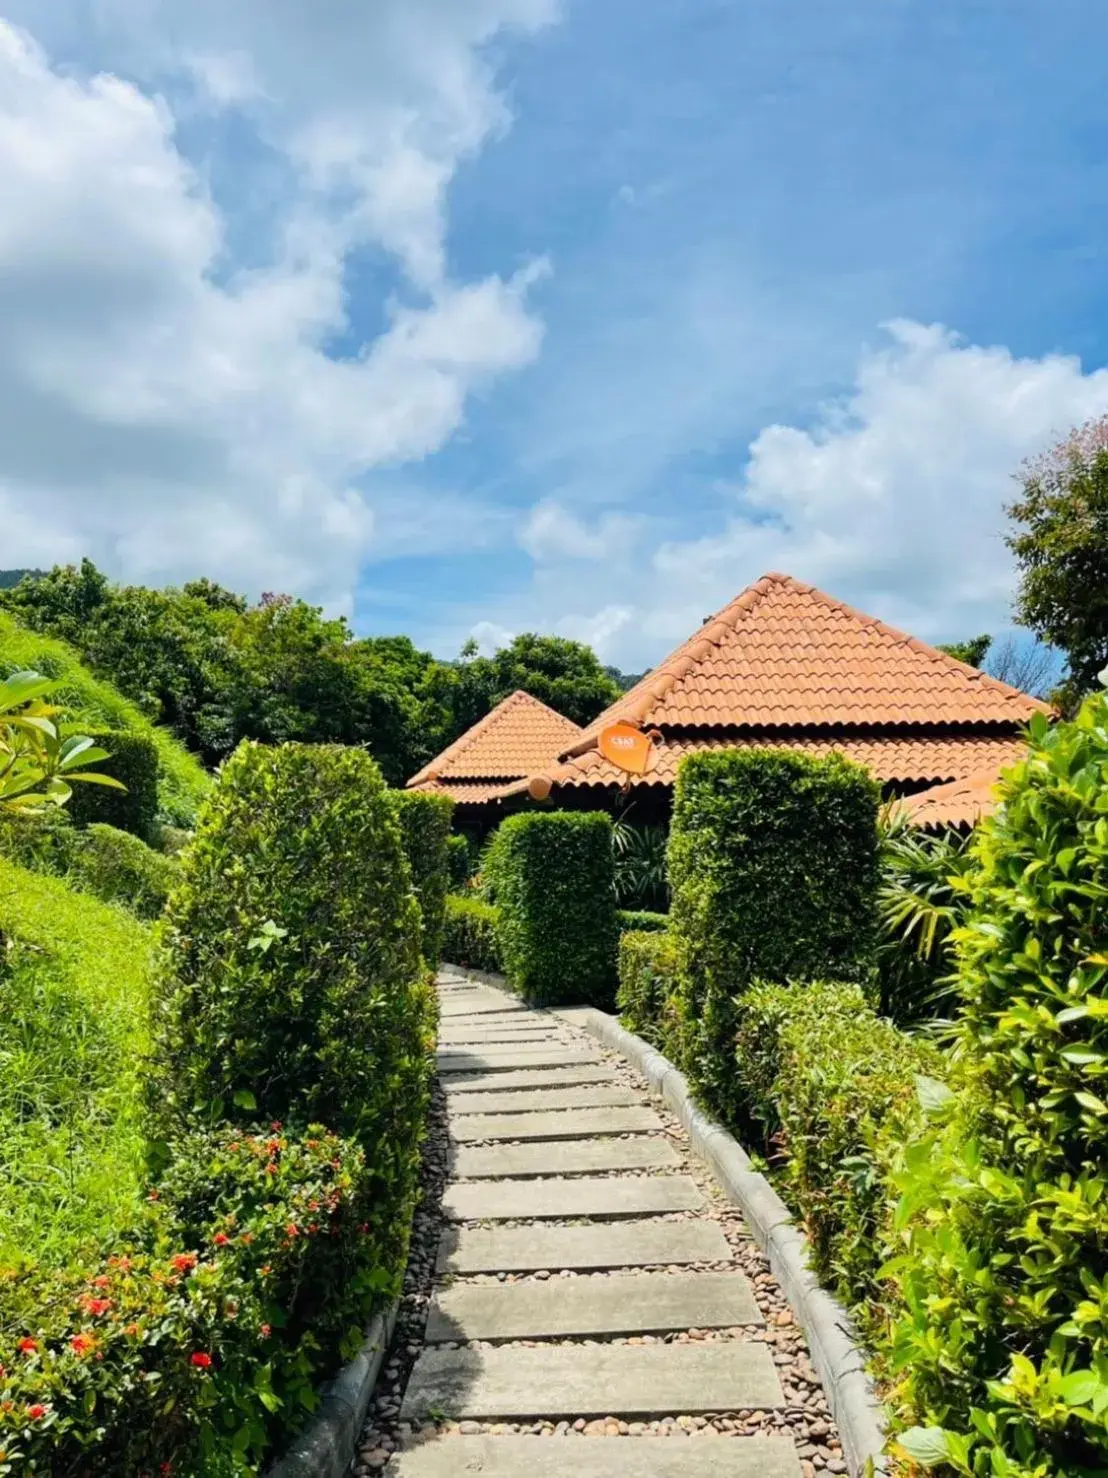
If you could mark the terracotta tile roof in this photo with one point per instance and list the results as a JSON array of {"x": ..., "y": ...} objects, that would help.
[
  {"x": 784, "y": 653},
  {"x": 907, "y": 758},
  {"x": 469, "y": 792},
  {"x": 957, "y": 803},
  {"x": 517, "y": 738}
]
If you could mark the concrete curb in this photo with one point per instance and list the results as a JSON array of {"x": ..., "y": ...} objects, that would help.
[
  {"x": 325, "y": 1447},
  {"x": 836, "y": 1356}
]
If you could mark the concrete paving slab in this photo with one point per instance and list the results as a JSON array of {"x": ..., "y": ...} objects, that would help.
[
  {"x": 624, "y": 1303},
  {"x": 604, "y": 1197},
  {"x": 562, "y": 1157},
  {"x": 527, "y": 1077},
  {"x": 619, "y": 1244},
  {"x": 501, "y": 1059},
  {"x": 554, "y": 1381},
  {"x": 545, "y": 1100},
  {"x": 475, "y": 1003},
  {"x": 630, "y": 1457},
  {"x": 580, "y": 1123},
  {"x": 451, "y": 1035}
]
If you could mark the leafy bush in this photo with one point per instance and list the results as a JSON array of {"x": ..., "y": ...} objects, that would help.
[
  {"x": 461, "y": 859},
  {"x": 119, "y": 868},
  {"x": 470, "y": 933},
  {"x": 552, "y": 876},
  {"x": 425, "y": 831},
  {"x": 196, "y": 1342},
  {"x": 73, "y": 997},
  {"x": 640, "y": 858},
  {"x": 41, "y": 843},
  {"x": 132, "y": 759},
  {"x": 1004, "y": 1202},
  {"x": 290, "y": 983},
  {"x": 92, "y": 704},
  {"x": 641, "y": 921},
  {"x": 647, "y": 980},
  {"x": 920, "y": 902},
  {"x": 773, "y": 869}
]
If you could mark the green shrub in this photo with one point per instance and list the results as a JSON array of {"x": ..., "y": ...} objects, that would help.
[
  {"x": 469, "y": 935},
  {"x": 133, "y": 761},
  {"x": 41, "y": 843},
  {"x": 641, "y": 921},
  {"x": 290, "y": 982},
  {"x": 462, "y": 859},
  {"x": 425, "y": 831},
  {"x": 552, "y": 874},
  {"x": 195, "y": 1343},
  {"x": 120, "y": 868},
  {"x": 773, "y": 871},
  {"x": 1004, "y": 1203},
  {"x": 74, "y": 991},
  {"x": 647, "y": 980},
  {"x": 90, "y": 704}
]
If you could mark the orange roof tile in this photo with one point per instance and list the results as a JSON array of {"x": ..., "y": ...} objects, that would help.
[
  {"x": 469, "y": 792},
  {"x": 957, "y": 803},
  {"x": 784, "y": 653},
  {"x": 519, "y": 736},
  {"x": 890, "y": 756}
]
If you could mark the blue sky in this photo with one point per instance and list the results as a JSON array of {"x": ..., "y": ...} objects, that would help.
[{"x": 493, "y": 315}]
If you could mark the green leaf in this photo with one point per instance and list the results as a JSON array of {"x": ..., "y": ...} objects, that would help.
[
  {"x": 244, "y": 1099},
  {"x": 933, "y": 1096},
  {"x": 927, "y": 1445},
  {"x": 1079, "y": 1387}
]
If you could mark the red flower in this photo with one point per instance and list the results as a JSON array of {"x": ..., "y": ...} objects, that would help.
[
  {"x": 271, "y": 1168},
  {"x": 221, "y": 1239},
  {"x": 153, "y": 1196},
  {"x": 247, "y": 1238},
  {"x": 81, "y": 1344},
  {"x": 95, "y": 1306},
  {"x": 266, "y": 1331},
  {"x": 36, "y": 1412},
  {"x": 200, "y": 1360},
  {"x": 184, "y": 1262},
  {"x": 292, "y": 1229},
  {"x": 276, "y": 1124},
  {"x": 26, "y": 1347},
  {"x": 102, "y": 1281},
  {"x": 132, "y": 1330},
  {"x": 266, "y": 1270}
]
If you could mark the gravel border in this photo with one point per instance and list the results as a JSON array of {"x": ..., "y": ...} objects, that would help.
[
  {"x": 325, "y": 1447},
  {"x": 838, "y": 1359}
]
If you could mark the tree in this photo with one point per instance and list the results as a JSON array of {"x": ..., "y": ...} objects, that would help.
[
  {"x": 972, "y": 651},
  {"x": 562, "y": 673},
  {"x": 1061, "y": 547}
]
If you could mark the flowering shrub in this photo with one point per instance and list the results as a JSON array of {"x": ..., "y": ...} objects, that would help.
[{"x": 198, "y": 1342}]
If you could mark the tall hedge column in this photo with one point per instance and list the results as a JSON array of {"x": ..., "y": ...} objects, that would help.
[
  {"x": 773, "y": 873},
  {"x": 553, "y": 874}
]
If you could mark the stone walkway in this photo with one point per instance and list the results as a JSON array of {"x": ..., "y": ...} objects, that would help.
[{"x": 589, "y": 1280}]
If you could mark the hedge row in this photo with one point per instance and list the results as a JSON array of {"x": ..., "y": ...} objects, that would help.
[
  {"x": 425, "y": 833},
  {"x": 114, "y": 866},
  {"x": 284, "y": 1105},
  {"x": 469, "y": 934},
  {"x": 132, "y": 760}
]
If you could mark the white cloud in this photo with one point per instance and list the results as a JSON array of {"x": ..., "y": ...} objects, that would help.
[
  {"x": 170, "y": 413},
  {"x": 551, "y": 531},
  {"x": 892, "y": 499}
]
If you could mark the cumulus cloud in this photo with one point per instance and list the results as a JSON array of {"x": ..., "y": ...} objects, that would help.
[
  {"x": 170, "y": 411},
  {"x": 892, "y": 498},
  {"x": 551, "y": 531}
]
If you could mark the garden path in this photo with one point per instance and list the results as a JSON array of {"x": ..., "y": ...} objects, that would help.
[{"x": 591, "y": 1281}]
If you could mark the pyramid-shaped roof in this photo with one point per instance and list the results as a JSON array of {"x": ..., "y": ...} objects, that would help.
[
  {"x": 519, "y": 736},
  {"x": 785, "y": 664}
]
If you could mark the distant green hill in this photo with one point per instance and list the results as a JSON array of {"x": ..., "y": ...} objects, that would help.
[
  {"x": 182, "y": 780},
  {"x": 8, "y": 578}
]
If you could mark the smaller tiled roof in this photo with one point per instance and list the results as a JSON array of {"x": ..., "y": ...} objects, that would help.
[
  {"x": 783, "y": 653},
  {"x": 520, "y": 736},
  {"x": 957, "y": 803},
  {"x": 904, "y": 757}
]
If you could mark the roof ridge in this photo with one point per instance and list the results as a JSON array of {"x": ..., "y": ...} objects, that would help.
[{"x": 453, "y": 751}]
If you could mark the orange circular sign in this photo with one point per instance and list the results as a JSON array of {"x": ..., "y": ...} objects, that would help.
[{"x": 625, "y": 746}]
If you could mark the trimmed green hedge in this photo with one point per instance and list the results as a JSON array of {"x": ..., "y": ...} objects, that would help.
[
  {"x": 647, "y": 981},
  {"x": 132, "y": 760},
  {"x": 462, "y": 859},
  {"x": 773, "y": 873},
  {"x": 470, "y": 933},
  {"x": 553, "y": 878},
  {"x": 291, "y": 985},
  {"x": 120, "y": 868},
  {"x": 641, "y": 920},
  {"x": 425, "y": 832}
]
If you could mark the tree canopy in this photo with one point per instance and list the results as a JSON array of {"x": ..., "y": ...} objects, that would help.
[
  {"x": 216, "y": 669},
  {"x": 1061, "y": 546}
]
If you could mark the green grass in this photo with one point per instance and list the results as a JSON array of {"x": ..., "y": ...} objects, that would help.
[
  {"x": 182, "y": 780},
  {"x": 73, "y": 1001}
]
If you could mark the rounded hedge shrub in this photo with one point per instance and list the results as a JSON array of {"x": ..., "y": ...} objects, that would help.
[
  {"x": 425, "y": 832},
  {"x": 553, "y": 877},
  {"x": 290, "y": 982},
  {"x": 132, "y": 760},
  {"x": 120, "y": 868},
  {"x": 470, "y": 933}
]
